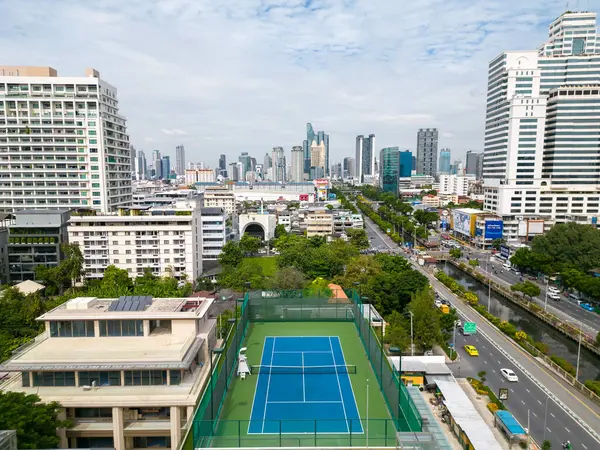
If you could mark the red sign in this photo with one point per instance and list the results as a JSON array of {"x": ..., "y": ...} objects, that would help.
[
  {"x": 303, "y": 197},
  {"x": 321, "y": 183}
]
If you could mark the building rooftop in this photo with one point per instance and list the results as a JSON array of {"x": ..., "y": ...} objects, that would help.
[
  {"x": 90, "y": 308},
  {"x": 37, "y": 212}
]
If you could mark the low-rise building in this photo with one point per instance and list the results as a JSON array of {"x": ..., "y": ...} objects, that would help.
[
  {"x": 127, "y": 372},
  {"x": 219, "y": 197},
  {"x": 162, "y": 239},
  {"x": 343, "y": 220},
  {"x": 34, "y": 238},
  {"x": 455, "y": 184},
  {"x": 319, "y": 223}
]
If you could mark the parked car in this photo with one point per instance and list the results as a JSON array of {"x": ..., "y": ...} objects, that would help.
[{"x": 509, "y": 375}]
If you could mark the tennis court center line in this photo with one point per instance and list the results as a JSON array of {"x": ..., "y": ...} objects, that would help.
[
  {"x": 337, "y": 377},
  {"x": 350, "y": 382},
  {"x": 268, "y": 386}
]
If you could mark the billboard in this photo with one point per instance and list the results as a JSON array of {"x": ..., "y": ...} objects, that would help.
[
  {"x": 505, "y": 251},
  {"x": 461, "y": 222},
  {"x": 321, "y": 183},
  {"x": 493, "y": 229}
]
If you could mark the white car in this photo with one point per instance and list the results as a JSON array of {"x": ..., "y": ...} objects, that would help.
[
  {"x": 509, "y": 375},
  {"x": 554, "y": 296},
  {"x": 553, "y": 290}
]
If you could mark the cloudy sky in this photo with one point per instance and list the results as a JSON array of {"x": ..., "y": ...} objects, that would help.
[{"x": 226, "y": 76}]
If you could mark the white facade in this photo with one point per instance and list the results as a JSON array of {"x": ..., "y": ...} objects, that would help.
[
  {"x": 541, "y": 140},
  {"x": 214, "y": 232},
  {"x": 193, "y": 176},
  {"x": 163, "y": 239},
  {"x": 319, "y": 223},
  {"x": 297, "y": 166},
  {"x": 126, "y": 376},
  {"x": 63, "y": 143},
  {"x": 455, "y": 184}
]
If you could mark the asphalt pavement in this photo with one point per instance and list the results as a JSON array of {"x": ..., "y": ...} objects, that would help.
[{"x": 533, "y": 392}]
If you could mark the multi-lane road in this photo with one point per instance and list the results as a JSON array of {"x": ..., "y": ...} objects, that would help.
[{"x": 537, "y": 394}]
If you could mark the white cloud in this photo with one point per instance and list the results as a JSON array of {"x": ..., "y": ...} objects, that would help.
[{"x": 246, "y": 75}]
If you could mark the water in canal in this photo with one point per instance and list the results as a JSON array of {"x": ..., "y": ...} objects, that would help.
[{"x": 559, "y": 345}]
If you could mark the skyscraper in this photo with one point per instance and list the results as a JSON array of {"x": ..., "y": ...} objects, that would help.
[
  {"x": 389, "y": 170},
  {"x": 541, "y": 135},
  {"x": 156, "y": 164},
  {"x": 365, "y": 156},
  {"x": 471, "y": 165},
  {"x": 318, "y": 137},
  {"x": 279, "y": 164},
  {"x": 142, "y": 165},
  {"x": 427, "y": 151},
  {"x": 234, "y": 171},
  {"x": 222, "y": 166},
  {"x": 246, "y": 161},
  {"x": 165, "y": 167},
  {"x": 318, "y": 156},
  {"x": 445, "y": 156},
  {"x": 348, "y": 167},
  {"x": 406, "y": 161},
  {"x": 297, "y": 166},
  {"x": 479, "y": 173},
  {"x": 180, "y": 160}
]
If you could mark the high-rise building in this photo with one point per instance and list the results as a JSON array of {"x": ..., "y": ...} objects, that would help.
[
  {"x": 414, "y": 163},
  {"x": 234, "y": 171},
  {"x": 389, "y": 170},
  {"x": 471, "y": 163},
  {"x": 88, "y": 150},
  {"x": 445, "y": 156},
  {"x": 133, "y": 159},
  {"x": 180, "y": 160},
  {"x": 541, "y": 134},
  {"x": 320, "y": 137},
  {"x": 479, "y": 172},
  {"x": 427, "y": 151},
  {"x": 297, "y": 166},
  {"x": 348, "y": 167},
  {"x": 318, "y": 157},
  {"x": 246, "y": 161},
  {"x": 279, "y": 164},
  {"x": 365, "y": 156},
  {"x": 165, "y": 170},
  {"x": 406, "y": 159},
  {"x": 142, "y": 166},
  {"x": 157, "y": 164},
  {"x": 222, "y": 170}
]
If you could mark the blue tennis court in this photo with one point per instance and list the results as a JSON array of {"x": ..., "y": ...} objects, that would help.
[{"x": 303, "y": 386}]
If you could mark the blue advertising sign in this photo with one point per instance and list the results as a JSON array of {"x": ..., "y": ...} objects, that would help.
[
  {"x": 493, "y": 229},
  {"x": 504, "y": 251}
]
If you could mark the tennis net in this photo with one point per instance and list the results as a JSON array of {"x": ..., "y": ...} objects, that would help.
[{"x": 303, "y": 370}]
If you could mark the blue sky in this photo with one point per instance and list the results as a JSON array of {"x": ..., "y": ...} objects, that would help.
[{"x": 226, "y": 76}]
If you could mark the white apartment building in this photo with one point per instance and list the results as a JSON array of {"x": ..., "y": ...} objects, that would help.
[
  {"x": 220, "y": 197},
  {"x": 319, "y": 223},
  {"x": 63, "y": 143},
  {"x": 127, "y": 372},
  {"x": 166, "y": 239},
  {"x": 193, "y": 176},
  {"x": 214, "y": 232},
  {"x": 455, "y": 184},
  {"x": 541, "y": 137}
]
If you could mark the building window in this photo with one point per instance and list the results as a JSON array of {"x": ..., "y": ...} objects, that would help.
[
  {"x": 76, "y": 328},
  {"x": 145, "y": 377},
  {"x": 53, "y": 378},
  {"x": 112, "y": 378},
  {"x": 152, "y": 441},
  {"x": 92, "y": 413},
  {"x": 95, "y": 442},
  {"x": 175, "y": 377},
  {"x": 121, "y": 328},
  {"x": 25, "y": 379}
]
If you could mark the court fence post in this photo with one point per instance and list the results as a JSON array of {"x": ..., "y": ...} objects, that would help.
[
  {"x": 279, "y": 432},
  {"x": 386, "y": 432},
  {"x": 315, "y": 433},
  {"x": 239, "y": 433},
  {"x": 350, "y": 444}
]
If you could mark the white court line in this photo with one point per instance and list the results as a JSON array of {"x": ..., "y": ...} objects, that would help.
[
  {"x": 303, "y": 380},
  {"x": 337, "y": 377},
  {"x": 262, "y": 354},
  {"x": 309, "y": 401},
  {"x": 301, "y": 351},
  {"x": 268, "y": 386}
]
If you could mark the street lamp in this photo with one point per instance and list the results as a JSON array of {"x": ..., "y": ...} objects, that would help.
[
  {"x": 579, "y": 349},
  {"x": 454, "y": 338},
  {"x": 545, "y": 416}
]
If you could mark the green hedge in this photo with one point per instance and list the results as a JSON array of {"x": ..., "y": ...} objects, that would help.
[{"x": 563, "y": 364}]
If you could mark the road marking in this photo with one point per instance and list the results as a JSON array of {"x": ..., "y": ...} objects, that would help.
[
  {"x": 528, "y": 390},
  {"x": 485, "y": 361},
  {"x": 553, "y": 415},
  {"x": 539, "y": 402},
  {"x": 493, "y": 371},
  {"x": 512, "y": 390},
  {"x": 549, "y": 430},
  {"x": 522, "y": 402},
  {"x": 534, "y": 414},
  {"x": 499, "y": 363},
  {"x": 568, "y": 431},
  {"x": 583, "y": 445}
]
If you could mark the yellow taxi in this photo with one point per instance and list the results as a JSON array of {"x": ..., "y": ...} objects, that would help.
[{"x": 471, "y": 350}]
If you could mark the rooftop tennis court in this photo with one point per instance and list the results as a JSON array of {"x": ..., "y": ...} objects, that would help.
[{"x": 302, "y": 380}]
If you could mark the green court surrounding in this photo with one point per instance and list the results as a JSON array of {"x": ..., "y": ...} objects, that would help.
[
  {"x": 223, "y": 416},
  {"x": 236, "y": 410}
]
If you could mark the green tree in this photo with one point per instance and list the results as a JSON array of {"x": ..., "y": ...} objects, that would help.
[
  {"x": 231, "y": 255},
  {"x": 249, "y": 245},
  {"x": 72, "y": 263},
  {"x": 471, "y": 298},
  {"x": 527, "y": 288},
  {"x": 425, "y": 218},
  {"x": 473, "y": 262},
  {"x": 288, "y": 278},
  {"x": 280, "y": 231},
  {"x": 329, "y": 207},
  {"x": 497, "y": 243},
  {"x": 114, "y": 284},
  {"x": 426, "y": 319},
  {"x": 35, "y": 422},
  {"x": 546, "y": 445},
  {"x": 249, "y": 271},
  {"x": 456, "y": 253},
  {"x": 358, "y": 237},
  {"x": 397, "y": 333}
]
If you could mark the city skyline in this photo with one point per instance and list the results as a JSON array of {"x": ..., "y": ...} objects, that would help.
[{"x": 433, "y": 91}]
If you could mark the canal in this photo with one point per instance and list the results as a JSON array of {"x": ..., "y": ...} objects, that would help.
[{"x": 558, "y": 345}]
